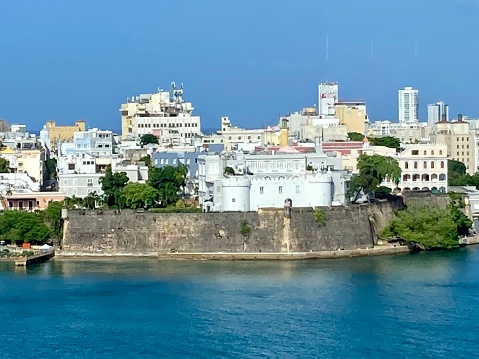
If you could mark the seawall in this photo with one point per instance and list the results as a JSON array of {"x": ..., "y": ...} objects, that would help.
[{"x": 271, "y": 231}]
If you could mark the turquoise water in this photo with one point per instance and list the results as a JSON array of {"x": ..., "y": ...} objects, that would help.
[{"x": 421, "y": 306}]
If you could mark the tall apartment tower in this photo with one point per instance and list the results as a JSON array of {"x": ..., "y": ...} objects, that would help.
[
  {"x": 408, "y": 106},
  {"x": 328, "y": 96},
  {"x": 436, "y": 112}
]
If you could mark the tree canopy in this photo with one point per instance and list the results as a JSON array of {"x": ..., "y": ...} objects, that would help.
[
  {"x": 22, "y": 226},
  {"x": 139, "y": 195},
  {"x": 387, "y": 141},
  {"x": 168, "y": 181},
  {"x": 373, "y": 170},
  {"x": 51, "y": 168},
  {"x": 4, "y": 165},
  {"x": 112, "y": 185},
  {"x": 148, "y": 138},
  {"x": 355, "y": 136},
  {"x": 429, "y": 226}
]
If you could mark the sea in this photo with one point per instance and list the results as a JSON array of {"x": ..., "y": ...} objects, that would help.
[{"x": 423, "y": 305}]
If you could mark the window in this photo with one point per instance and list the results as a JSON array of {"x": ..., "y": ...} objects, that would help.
[
  {"x": 280, "y": 189},
  {"x": 415, "y": 165},
  {"x": 89, "y": 182},
  {"x": 432, "y": 153},
  {"x": 20, "y": 205},
  {"x": 406, "y": 165},
  {"x": 442, "y": 177},
  {"x": 71, "y": 166},
  {"x": 440, "y": 152},
  {"x": 432, "y": 164},
  {"x": 424, "y": 165},
  {"x": 233, "y": 200},
  {"x": 10, "y": 204},
  {"x": 261, "y": 190},
  {"x": 297, "y": 189},
  {"x": 30, "y": 205},
  {"x": 425, "y": 153},
  {"x": 415, "y": 152},
  {"x": 174, "y": 161}
]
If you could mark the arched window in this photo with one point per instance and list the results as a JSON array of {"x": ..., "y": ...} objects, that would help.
[
  {"x": 442, "y": 164},
  {"x": 432, "y": 153},
  {"x": 425, "y": 153},
  {"x": 425, "y": 177},
  {"x": 406, "y": 165},
  {"x": 440, "y": 152},
  {"x": 432, "y": 164},
  {"x": 415, "y": 177},
  {"x": 442, "y": 177},
  {"x": 406, "y": 177},
  {"x": 415, "y": 164},
  {"x": 424, "y": 165},
  {"x": 434, "y": 176}
]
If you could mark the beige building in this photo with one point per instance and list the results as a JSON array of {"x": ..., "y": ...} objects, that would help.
[
  {"x": 424, "y": 167},
  {"x": 353, "y": 115},
  {"x": 164, "y": 110},
  {"x": 27, "y": 158},
  {"x": 63, "y": 133},
  {"x": 460, "y": 142},
  {"x": 413, "y": 135}
]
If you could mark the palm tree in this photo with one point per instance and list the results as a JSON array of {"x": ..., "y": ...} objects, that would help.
[{"x": 168, "y": 192}]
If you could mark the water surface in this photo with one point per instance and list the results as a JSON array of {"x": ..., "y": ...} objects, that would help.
[{"x": 421, "y": 306}]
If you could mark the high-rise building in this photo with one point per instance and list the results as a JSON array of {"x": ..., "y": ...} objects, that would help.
[
  {"x": 436, "y": 112},
  {"x": 408, "y": 106},
  {"x": 328, "y": 96}
]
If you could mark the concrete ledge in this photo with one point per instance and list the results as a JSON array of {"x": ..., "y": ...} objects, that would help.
[{"x": 285, "y": 256}]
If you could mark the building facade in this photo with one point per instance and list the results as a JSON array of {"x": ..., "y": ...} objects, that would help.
[
  {"x": 52, "y": 133},
  {"x": 164, "y": 110},
  {"x": 353, "y": 115},
  {"x": 408, "y": 105},
  {"x": 328, "y": 96},
  {"x": 436, "y": 112},
  {"x": 460, "y": 141}
]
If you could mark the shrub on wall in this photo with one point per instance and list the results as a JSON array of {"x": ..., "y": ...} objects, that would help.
[{"x": 319, "y": 217}]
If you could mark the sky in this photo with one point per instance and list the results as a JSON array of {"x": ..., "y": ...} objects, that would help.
[{"x": 251, "y": 60}]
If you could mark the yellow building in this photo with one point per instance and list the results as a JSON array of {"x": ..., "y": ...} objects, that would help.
[
  {"x": 26, "y": 159},
  {"x": 63, "y": 133},
  {"x": 353, "y": 115}
]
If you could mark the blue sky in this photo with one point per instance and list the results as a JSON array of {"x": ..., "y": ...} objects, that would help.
[{"x": 250, "y": 60}]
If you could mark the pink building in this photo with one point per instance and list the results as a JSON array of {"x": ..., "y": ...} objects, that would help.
[{"x": 31, "y": 201}]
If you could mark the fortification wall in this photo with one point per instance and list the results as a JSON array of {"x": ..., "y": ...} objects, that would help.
[{"x": 352, "y": 227}]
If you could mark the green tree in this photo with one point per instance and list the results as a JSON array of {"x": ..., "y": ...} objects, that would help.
[
  {"x": 456, "y": 173},
  {"x": 51, "y": 168},
  {"x": 387, "y": 141},
  {"x": 52, "y": 216},
  {"x": 21, "y": 226},
  {"x": 147, "y": 160},
  {"x": 148, "y": 138},
  {"x": 139, "y": 195},
  {"x": 168, "y": 180},
  {"x": 429, "y": 226},
  {"x": 91, "y": 201},
  {"x": 112, "y": 185},
  {"x": 355, "y": 136},
  {"x": 4, "y": 165},
  {"x": 229, "y": 171},
  {"x": 373, "y": 170}
]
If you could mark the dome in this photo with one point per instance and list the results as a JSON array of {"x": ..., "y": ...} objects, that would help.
[{"x": 287, "y": 149}]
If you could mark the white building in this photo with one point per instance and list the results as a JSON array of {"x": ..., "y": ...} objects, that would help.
[
  {"x": 262, "y": 181},
  {"x": 408, "y": 106},
  {"x": 328, "y": 96},
  {"x": 150, "y": 113},
  {"x": 80, "y": 184},
  {"x": 436, "y": 112}
]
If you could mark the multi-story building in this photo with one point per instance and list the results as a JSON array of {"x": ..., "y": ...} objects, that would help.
[
  {"x": 423, "y": 166},
  {"x": 261, "y": 181},
  {"x": 52, "y": 134},
  {"x": 408, "y": 106},
  {"x": 460, "y": 141},
  {"x": 353, "y": 115},
  {"x": 328, "y": 96},
  {"x": 28, "y": 156},
  {"x": 436, "y": 112},
  {"x": 163, "y": 110}
]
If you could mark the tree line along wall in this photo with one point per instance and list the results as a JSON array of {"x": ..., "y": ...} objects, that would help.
[{"x": 270, "y": 231}]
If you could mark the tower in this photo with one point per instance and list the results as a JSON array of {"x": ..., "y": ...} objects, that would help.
[{"x": 408, "y": 106}]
